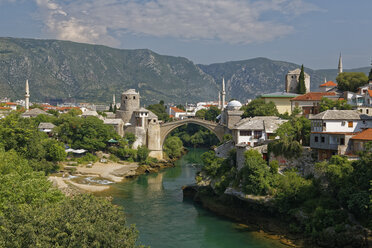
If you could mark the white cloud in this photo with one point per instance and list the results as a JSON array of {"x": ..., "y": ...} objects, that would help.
[{"x": 230, "y": 21}]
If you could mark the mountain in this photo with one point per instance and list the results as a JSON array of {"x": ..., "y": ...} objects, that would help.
[
  {"x": 82, "y": 72},
  {"x": 64, "y": 70},
  {"x": 251, "y": 78}
]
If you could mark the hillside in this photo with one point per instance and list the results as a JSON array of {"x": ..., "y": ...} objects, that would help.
[
  {"x": 253, "y": 77},
  {"x": 63, "y": 69}
]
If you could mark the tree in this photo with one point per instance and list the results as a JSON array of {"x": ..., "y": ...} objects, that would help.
[
  {"x": 142, "y": 154},
  {"x": 130, "y": 137},
  {"x": 173, "y": 147},
  {"x": 301, "y": 89},
  {"x": 180, "y": 106},
  {"x": 326, "y": 104},
  {"x": 159, "y": 110},
  {"x": 201, "y": 113},
  {"x": 111, "y": 109},
  {"x": 370, "y": 75},
  {"x": 351, "y": 81},
  {"x": 56, "y": 152},
  {"x": 212, "y": 113},
  {"x": 258, "y": 107}
]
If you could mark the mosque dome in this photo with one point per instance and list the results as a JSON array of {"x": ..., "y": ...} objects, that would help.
[{"x": 234, "y": 104}]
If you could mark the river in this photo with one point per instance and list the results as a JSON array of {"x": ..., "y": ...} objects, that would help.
[{"x": 155, "y": 204}]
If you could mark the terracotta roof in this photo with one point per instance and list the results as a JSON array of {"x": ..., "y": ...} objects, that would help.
[
  {"x": 370, "y": 93},
  {"x": 328, "y": 84},
  {"x": 313, "y": 96},
  {"x": 171, "y": 116},
  {"x": 11, "y": 103},
  {"x": 5, "y": 108},
  {"x": 364, "y": 135},
  {"x": 177, "y": 110}
]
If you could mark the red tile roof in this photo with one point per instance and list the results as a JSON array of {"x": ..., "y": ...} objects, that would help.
[
  {"x": 177, "y": 110},
  {"x": 328, "y": 84},
  {"x": 5, "y": 108},
  {"x": 313, "y": 96},
  {"x": 370, "y": 93},
  {"x": 11, "y": 103},
  {"x": 364, "y": 135}
]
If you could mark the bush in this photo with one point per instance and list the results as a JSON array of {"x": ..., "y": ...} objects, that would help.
[
  {"x": 142, "y": 154},
  {"x": 87, "y": 158}
]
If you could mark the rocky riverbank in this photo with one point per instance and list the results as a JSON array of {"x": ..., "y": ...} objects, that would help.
[{"x": 257, "y": 215}]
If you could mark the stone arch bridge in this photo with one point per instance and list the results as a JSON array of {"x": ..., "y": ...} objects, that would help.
[{"x": 167, "y": 127}]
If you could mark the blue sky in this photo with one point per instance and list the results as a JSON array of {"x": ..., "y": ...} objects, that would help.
[{"x": 312, "y": 33}]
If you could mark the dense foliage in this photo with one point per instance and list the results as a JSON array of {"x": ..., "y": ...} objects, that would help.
[
  {"x": 209, "y": 114},
  {"x": 160, "y": 110},
  {"x": 301, "y": 89},
  {"x": 173, "y": 147},
  {"x": 193, "y": 135},
  {"x": 351, "y": 81},
  {"x": 293, "y": 135},
  {"x": 328, "y": 104},
  {"x": 258, "y": 107}
]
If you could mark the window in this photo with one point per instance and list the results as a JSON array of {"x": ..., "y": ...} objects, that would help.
[
  {"x": 134, "y": 97},
  {"x": 343, "y": 123},
  {"x": 350, "y": 124},
  {"x": 245, "y": 132},
  {"x": 342, "y": 141},
  {"x": 316, "y": 139},
  {"x": 367, "y": 111},
  {"x": 257, "y": 134},
  {"x": 322, "y": 139},
  {"x": 324, "y": 124}
]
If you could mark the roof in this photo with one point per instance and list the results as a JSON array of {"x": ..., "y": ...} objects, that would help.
[
  {"x": 130, "y": 91},
  {"x": 328, "y": 84},
  {"x": 34, "y": 112},
  {"x": 280, "y": 94},
  {"x": 46, "y": 125},
  {"x": 234, "y": 104},
  {"x": 268, "y": 123},
  {"x": 90, "y": 113},
  {"x": 177, "y": 110},
  {"x": 338, "y": 115},
  {"x": 152, "y": 115},
  {"x": 113, "y": 121},
  {"x": 297, "y": 71},
  {"x": 142, "y": 110},
  {"x": 313, "y": 96},
  {"x": 11, "y": 103},
  {"x": 5, "y": 108},
  {"x": 370, "y": 93},
  {"x": 364, "y": 135}
]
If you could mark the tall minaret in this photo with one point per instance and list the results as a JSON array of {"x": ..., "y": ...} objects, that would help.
[
  {"x": 223, "y": 93},
  {"x": 113, "y": 101},
  {"x": 340, "y": 64},
  {"x": 27, "y": 96},
  {"x": 219, "y": 100},
  {"x": 325, "y": 80}
]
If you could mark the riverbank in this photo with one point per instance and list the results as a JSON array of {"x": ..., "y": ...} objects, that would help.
[
  {"x": 100, "y": 176},
  {"x": 254, "y": 217}
]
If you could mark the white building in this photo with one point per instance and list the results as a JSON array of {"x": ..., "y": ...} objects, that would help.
[
  {"x": 331, "y": 131},
  {"x": 257, "y": 130}
]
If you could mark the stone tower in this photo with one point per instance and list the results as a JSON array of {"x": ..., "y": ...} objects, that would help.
[
  {"x": 292, "y": 80},
  {"x": 27, "y": 96},
  {"x": 130, "y": 102},
  {"x": 340, "y": 70}
]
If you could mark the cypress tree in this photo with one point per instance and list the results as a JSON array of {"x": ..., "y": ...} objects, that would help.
[
  {"x": 370, "y": 75},
  {"x": 115, "y": 108},
  {"x": 111, "y": 110},
  {"x": 301, "y": 84}
]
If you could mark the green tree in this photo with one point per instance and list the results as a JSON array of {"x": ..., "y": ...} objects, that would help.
[
  {"x": 201, "y": 113},
  {"x": 180, "y": 106},
  {"x": 258, "y": 107},
  {"x": 142, "y": 154},
  {"x": 160, "y": 110},
  {"x": 327, "y": 104},
  {"x": 370, "y": 75},
  {"x": 130, "y": 137},
  {"x": 173, "y": 147},
  {"x": 301, "y": 89},
  {"x": 351, "y": 81},
  {"x": 111, "y": 109},
  {"x": 56, "y": 152},
  {"x": 212, "y": 113}
]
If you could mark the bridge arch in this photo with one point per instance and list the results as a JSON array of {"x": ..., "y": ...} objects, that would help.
[{"x": 168, "y": 127}]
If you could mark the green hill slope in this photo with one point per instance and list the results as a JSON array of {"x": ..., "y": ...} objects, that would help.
[{"x": 63, "y": 69}]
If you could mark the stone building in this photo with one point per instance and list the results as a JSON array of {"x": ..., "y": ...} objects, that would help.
[
  {"x": 292, "y": 81},
  {"x": 231, "y": 114},
  {"x": 141, "y": 122}
]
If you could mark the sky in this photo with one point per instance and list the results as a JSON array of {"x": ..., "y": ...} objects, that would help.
[{"x": 309, "y": 32}]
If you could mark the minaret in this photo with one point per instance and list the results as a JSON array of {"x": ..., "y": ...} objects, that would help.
[
  {"x": 113, "y": 101},
  {"x": 340, "y": 64},
  {"x": 27, "y": 96},
  {"x": 325, "y": 80},
  {"x": 219, "y": 100},
  {"x": 223, "y": 93}
]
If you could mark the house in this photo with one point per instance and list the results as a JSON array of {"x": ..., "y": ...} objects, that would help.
[
  {"x": 361, "y": 98},
  {"x": 176, "y": 113},
  {"x": 282, "y": 100},
  {"x": 309, "y": 102},
  {"x": 33, "y": 113},
  {"x": 332, "y": 130},
  {"x": 256, "y": 131},
  {"x": 292, "y": 80},
  {"x": 359, "y": 141},
  {"x": 11, "y": 105},
  {"x": 327, "y": 86},
  {"x": 46, "y": 127}
]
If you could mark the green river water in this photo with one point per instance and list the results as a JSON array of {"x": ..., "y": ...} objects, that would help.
[{"x": 155, "y": 204}]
